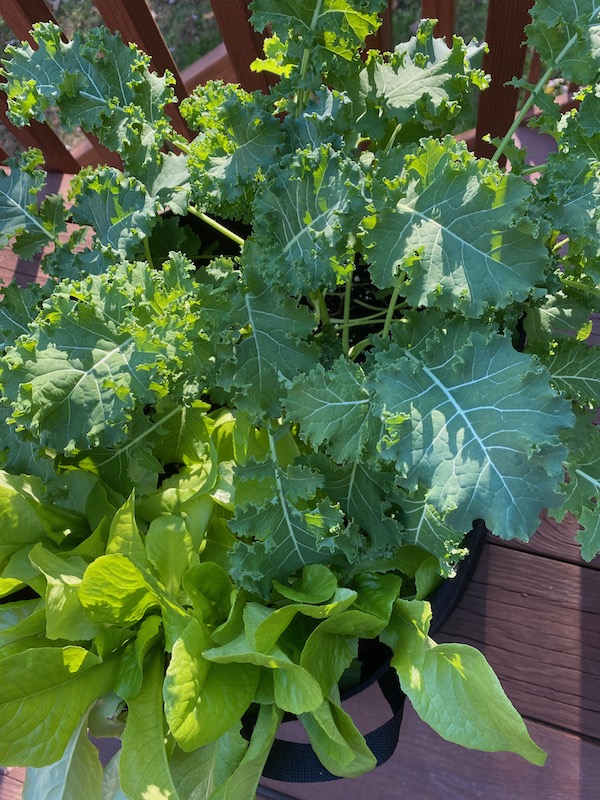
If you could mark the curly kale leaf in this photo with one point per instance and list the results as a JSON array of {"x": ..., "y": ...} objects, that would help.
[
  {"x": 97, "y": 82},
  {"x": 582, "y": 491},
  {"x": 118, "y": 209},
  {"x": 273, "y": 349},
  {"x": 473, "y": 422},
  {"x": 456, "y": 226},
  {"x": 287, "y": 524},
  {"x": 340, "y": 26},
  {"x": 421, "y": 86},
  {"x": 567, "y": 37},
  {"x": 307, "y": 213},
  {"x": 104, "y": 348},
  {"x": 33, "y": 225},
  {"x": 239, "y": 139}
]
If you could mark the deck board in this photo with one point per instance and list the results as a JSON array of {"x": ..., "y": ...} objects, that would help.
[
  {"x": 427, "y": 768},
  {"x": 11, "y": 783}
]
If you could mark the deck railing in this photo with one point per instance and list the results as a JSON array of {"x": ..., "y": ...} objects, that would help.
[{"x": 241, "y": 45}]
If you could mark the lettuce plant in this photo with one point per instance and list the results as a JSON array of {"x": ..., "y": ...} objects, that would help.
[{"x": 273, "y": 376}]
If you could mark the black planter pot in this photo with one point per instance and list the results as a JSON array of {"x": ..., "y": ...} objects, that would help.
[{"x": 296, "y": 762}]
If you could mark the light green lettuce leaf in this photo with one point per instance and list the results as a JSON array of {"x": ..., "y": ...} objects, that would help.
[
  {"x": 131, "y": 671},
  {"x": 453, "y": 688},
  {"x": 114, "y": 591},
  {"x": 316, "y": 584},
  {"x": 65, "y": 615},
  {"x": 210, "y": 590},
  {"x": 43, "y": 695},
  {"x": 203, "y": 700},
  {"x": 243, "y": 783},
  {"x": 198, "y": 774},
  {"x": 336, "y": 740},
  {"x": 295, "y": 689},
  {"x": 144, "y": 764},
  {"x": 170, "y": 551},
  {"x": 124, "y": 536},
  {"x": 77, "y": 774}
]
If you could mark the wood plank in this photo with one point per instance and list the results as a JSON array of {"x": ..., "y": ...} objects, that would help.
[
  {"x": 11, "y": 783},
  {"x": 505, "y": 59},
  {"x": 56, "y": 156},
  {"x": 384, "y": 38},
  {"x": 553, "y": 539},
  {"x": 243, "y": 43},
  {"x": 445, "y": 12},
  {"x": 20, "y": 15},
  {"x": 215, "y": 65},
  {"x": 428, "y": 768}
]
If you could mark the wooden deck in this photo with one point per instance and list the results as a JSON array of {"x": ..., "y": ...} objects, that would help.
[{"x": 534, "y": 610}]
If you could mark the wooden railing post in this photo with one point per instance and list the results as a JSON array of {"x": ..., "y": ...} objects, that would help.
[
  {"x": 445, "y": 12},
  {"x": 243, "y": 43},
  {"x": 384, "y": 38},
  {"x": 505, "y": 59}
]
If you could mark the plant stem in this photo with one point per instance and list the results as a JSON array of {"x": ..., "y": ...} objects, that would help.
[
  {"x": 583, "y": 286},
  {"x": 357, "y": 349},
  {"x": 522, "y": 114},
  {"x": 304, "y": 94},
  {"x": 147, "y": 252},
  {"x": 531, "y": 170},
  {"x": 318, "y": 301},
  {"x": 392, "y": 305},
  {"x": 392, "y": 138},
  {"x": 560, "y": 244},
  {"x": 216, "y": 225},
  {"x": 355, "y": 323},
  {"x": 183, "y": 147},
  {"x": 346, "y": 322}
]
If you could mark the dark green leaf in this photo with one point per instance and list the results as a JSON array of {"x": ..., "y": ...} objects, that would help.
[
  {"x": 312, "y": 247},
  {"x": 476, "y": 423},
  {"x": 97, "y": 82},
  {"x": 455, "y": 226}
]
